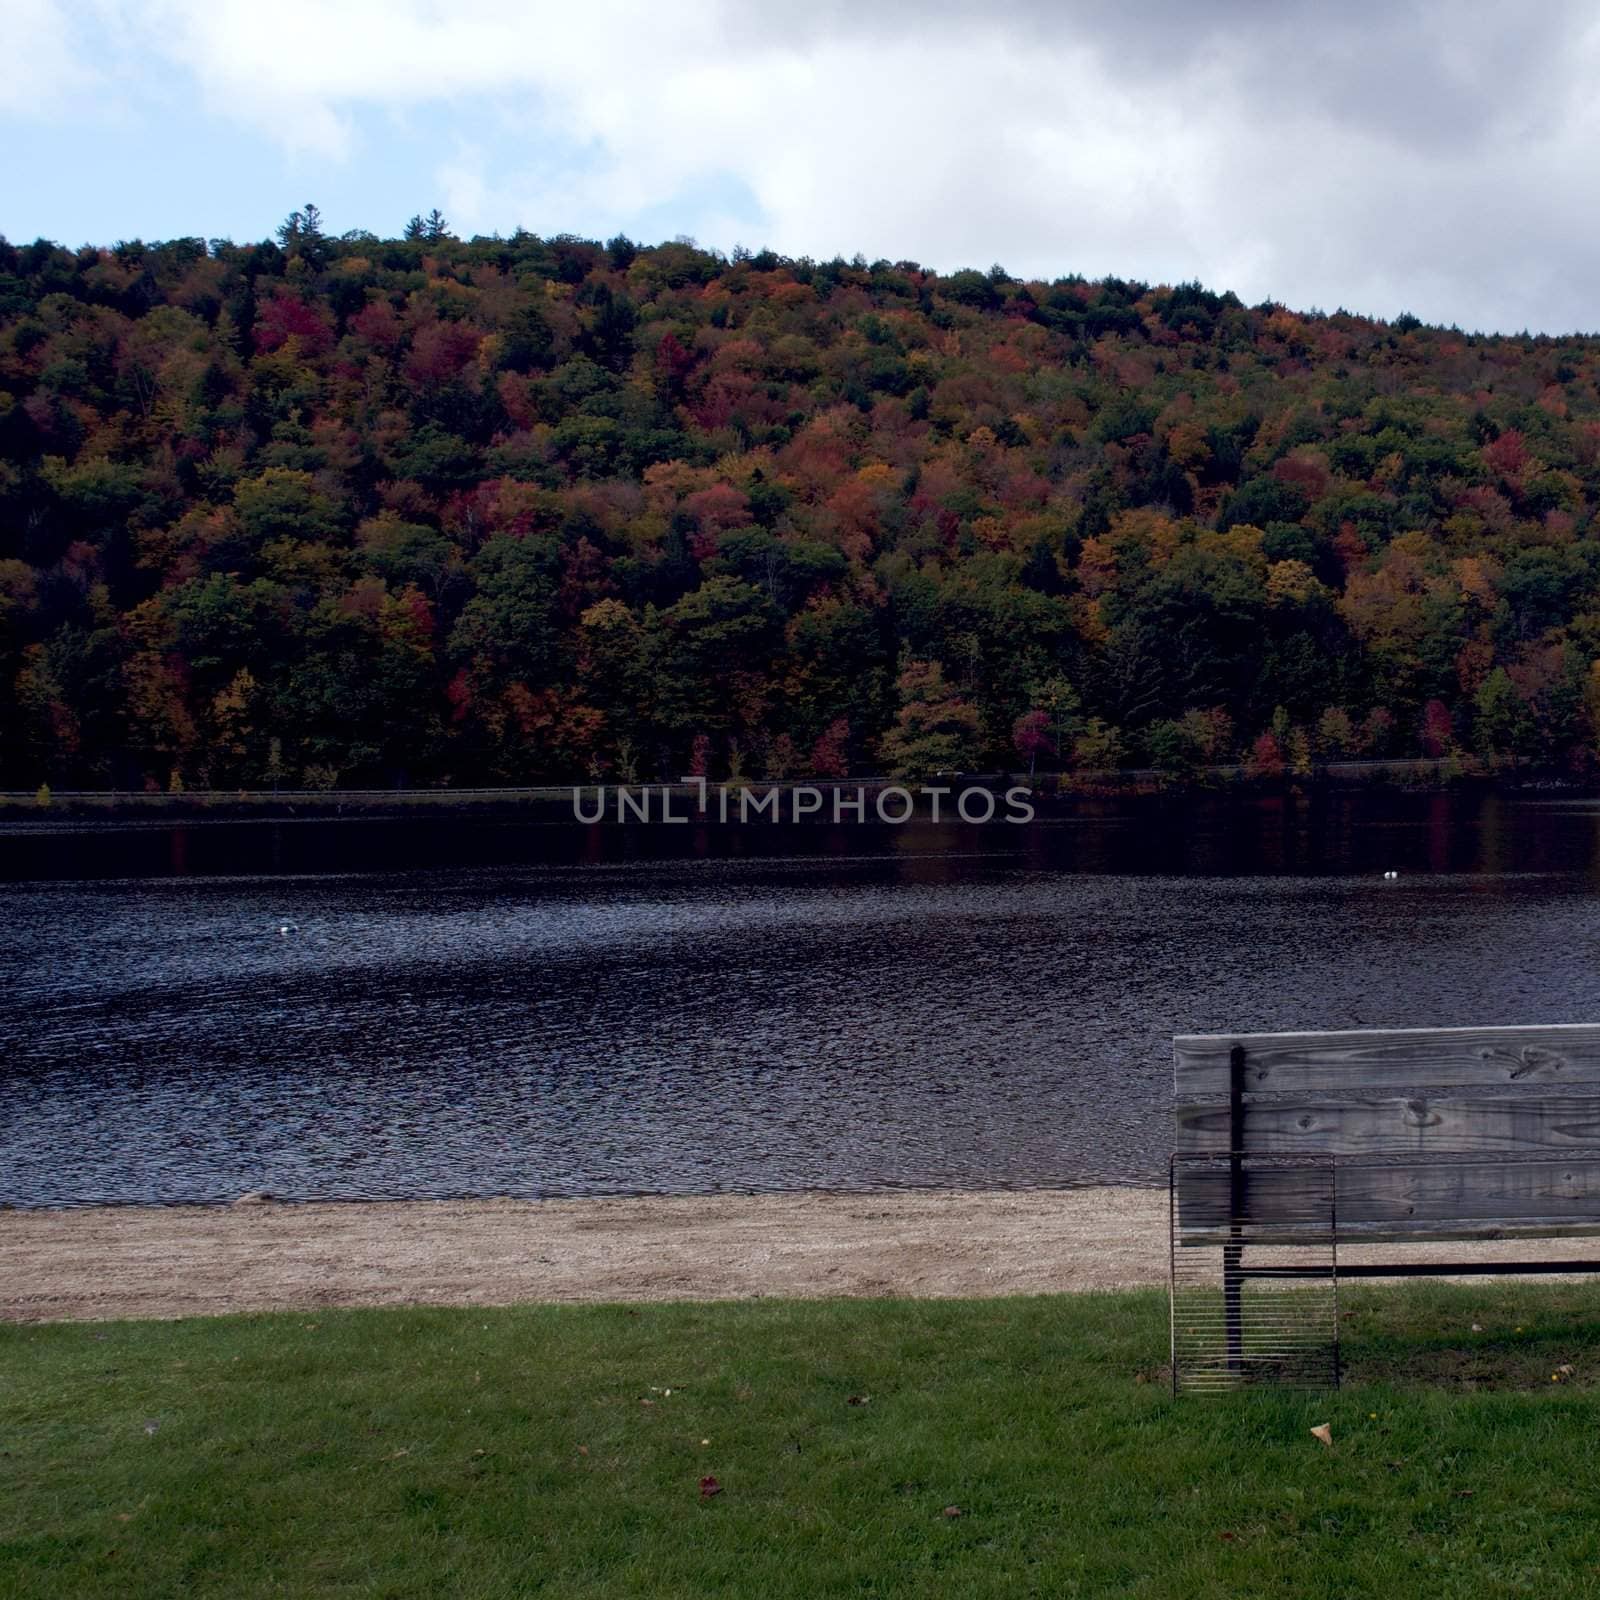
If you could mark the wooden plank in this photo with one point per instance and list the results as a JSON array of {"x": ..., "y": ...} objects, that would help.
[
  {"x": 1402, "y": 1233},
  {"x": 1462, "y": 1125},
  {"x": 1457, "y": 1195},
  {"x": 1387, "y": 1058}
]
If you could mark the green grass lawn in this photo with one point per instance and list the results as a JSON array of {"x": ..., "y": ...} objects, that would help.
[{"x": 561, "y": 1451}]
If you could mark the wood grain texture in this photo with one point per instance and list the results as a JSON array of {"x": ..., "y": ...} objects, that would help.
[
  {"x": 1388, "y": 1058},
  {"x": 1449, "y": 1097},
  {"x": 1401, "y": 1233},
  {"x": 1415, "y": 1124},
  {"x": 1466, "y": 1198}
]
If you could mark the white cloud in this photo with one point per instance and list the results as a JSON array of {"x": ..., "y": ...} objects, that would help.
[
  {"x": 1422, "y": 155},
  {"x": 44, "y": 65}
]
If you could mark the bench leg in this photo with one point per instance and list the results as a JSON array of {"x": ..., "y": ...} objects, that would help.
[
  {"x": 1232, "y": 1305},
  {"x": 1232, "y": 1283}
]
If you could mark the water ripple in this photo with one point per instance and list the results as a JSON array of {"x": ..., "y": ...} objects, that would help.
[{"x": 970, "y": 1019}]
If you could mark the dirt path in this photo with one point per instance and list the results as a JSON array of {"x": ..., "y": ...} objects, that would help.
[{"x": 195, "y": 1261}]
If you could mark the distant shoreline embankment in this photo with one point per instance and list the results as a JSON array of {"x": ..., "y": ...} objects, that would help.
[{"x": 720, "y": 802}]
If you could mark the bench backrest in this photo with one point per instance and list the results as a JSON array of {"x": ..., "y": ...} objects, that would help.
[{"x": 1444, "y": 1112}]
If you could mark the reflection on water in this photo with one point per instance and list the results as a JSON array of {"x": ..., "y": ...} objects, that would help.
[{"x": 554, "y": 1011}]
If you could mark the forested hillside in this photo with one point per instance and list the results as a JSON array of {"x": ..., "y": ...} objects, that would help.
[{"x": 527, "y": 510}]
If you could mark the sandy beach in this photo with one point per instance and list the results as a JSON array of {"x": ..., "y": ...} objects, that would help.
[{"x": 135, "y": 1261}]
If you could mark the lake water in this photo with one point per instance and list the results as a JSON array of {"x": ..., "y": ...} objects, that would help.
[{"x": 473, "y": 1006}]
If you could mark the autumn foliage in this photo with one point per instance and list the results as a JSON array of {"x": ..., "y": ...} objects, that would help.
[{"x": 531, "y": 510}]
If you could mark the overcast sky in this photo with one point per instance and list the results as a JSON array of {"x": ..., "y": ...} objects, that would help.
[{"x": 1434, "y": 157}]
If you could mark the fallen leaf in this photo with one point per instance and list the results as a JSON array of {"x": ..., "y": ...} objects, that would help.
[
  {"x": 1464, "y": 1494},
  {"x": 705, "y": 1441},
  {"x": 859, "y": 1400},
  {"x": 583, "y": 1449},
  {"x": 708, "y": 1487},
  {"x": 151, "y": 1425},
  {"x": 952, "y": 1511},
  {"x": 1230, "y": 1537},
  {"x": 1477, "y": 1327},
  {"x": 1565, "y": 1369},
  {"x": 1323, "y": 1432}
]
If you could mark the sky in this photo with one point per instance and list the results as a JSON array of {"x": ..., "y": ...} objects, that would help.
[{"x": 1431, "y": 156}]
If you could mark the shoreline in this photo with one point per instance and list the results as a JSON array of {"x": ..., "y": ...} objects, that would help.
[
  {"x": 553, "y": 804},
  {"x": 152, "y": 1262}
]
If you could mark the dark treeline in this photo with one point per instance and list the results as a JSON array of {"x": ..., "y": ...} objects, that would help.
[{"x": 352, "y": 510}]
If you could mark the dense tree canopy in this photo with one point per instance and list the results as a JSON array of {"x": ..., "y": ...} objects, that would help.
[{"x": 524, "y": 510}]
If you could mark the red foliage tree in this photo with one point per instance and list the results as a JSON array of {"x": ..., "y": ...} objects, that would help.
[
  {"x": 715, "y": 510},
  {"x": 1507, "y": 456},
  {"x": 1265, "y": 759},
  {"x": 1438, "y": 731},
  {"x": 1030, "y": 737},
  {"x": 286, "y": 316},
  {"x": 830, "y": 754}
]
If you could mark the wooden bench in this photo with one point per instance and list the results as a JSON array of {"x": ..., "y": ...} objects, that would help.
[{"x": 1296, "y": 1142}]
